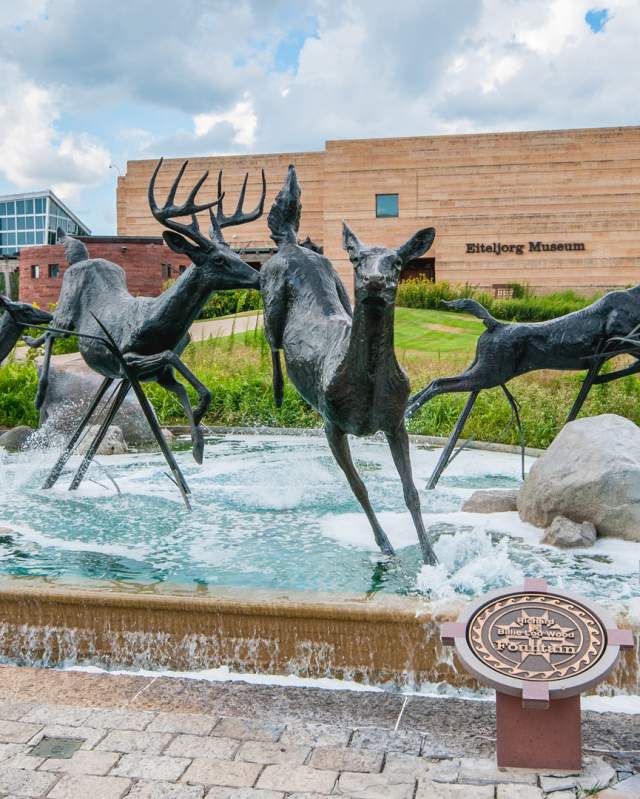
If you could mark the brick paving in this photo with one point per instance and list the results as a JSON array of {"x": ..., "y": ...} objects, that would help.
[{"x": 286, "y": 749}]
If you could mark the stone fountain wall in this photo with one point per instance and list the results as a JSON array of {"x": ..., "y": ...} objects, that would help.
[{"x": 381, "y": 640}]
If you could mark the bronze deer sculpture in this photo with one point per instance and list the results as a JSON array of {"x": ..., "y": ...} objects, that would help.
[
  {"x": 18, "y": 316},
  {"x": 148, "y": 334},
  {"x": 572, "y": 342},
  {"x": 342, "y": 362}
]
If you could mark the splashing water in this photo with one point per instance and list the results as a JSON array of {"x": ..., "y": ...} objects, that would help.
[{"x": 276, "y": 512}]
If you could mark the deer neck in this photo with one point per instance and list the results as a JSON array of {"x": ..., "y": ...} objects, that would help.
[
  {"x": 182, "y": 302},
  {"x": 370, "y": 353}
]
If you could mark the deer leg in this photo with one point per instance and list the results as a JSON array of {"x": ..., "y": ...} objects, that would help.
[
  {"x": 167, "y": 380},
  {"x": 585, "y": 388},
  {"x": 339, "y": 444},
  {"x": 55, "y": 473},
  {"x": 445, "y": 456},
  {"x": 399, "y": 446},
  {"x": 470, "y": 380},
  {"x": 113, "y": 409},
  {"x": 43, "y": 382},
  {"x": 607, "y": 378},
  {"x": 145, "y": 366},
  {"x": 516, "y": 415}
]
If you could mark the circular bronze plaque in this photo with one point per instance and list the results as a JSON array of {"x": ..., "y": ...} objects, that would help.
[{"x": 536, "y": 636}]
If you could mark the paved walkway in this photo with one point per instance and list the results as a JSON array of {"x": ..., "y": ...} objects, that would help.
[
  {"x": 183, "y": 739},
  {"x": 200, "y": 331}
]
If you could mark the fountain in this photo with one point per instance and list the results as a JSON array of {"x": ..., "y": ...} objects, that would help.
[{"x": 274, "y": 569}]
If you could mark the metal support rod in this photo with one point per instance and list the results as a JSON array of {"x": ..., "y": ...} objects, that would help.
[
  {"x": 516, "y": 415},
  {"x": 585, "y": 388},
  {"x": 113, "y": 409},
  {"x": 55, "y": 473},
  {"x": 144, "y": 403},
  {"x": 451, "y": 443},
  {"x": 178, "y": 477}
]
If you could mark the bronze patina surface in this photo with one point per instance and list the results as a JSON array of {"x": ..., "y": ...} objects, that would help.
[{"x": 536, "y": 637}]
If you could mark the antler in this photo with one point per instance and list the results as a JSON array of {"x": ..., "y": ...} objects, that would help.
[
  {"x": 189, "y": 207},
  {"x": 220, "y": 220}
]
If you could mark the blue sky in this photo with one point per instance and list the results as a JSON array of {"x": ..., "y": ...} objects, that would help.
[{"x": 88, "y": 85}]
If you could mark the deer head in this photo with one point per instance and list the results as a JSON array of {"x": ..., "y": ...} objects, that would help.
[
  {"x": 377, "y": 269},
  {"x": 210, "y": 254}
]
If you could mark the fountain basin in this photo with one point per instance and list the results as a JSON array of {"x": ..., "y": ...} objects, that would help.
[{"x": 276, "y": 570}]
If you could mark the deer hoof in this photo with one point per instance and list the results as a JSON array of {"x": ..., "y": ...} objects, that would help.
[{"x": 198, "y": 445}]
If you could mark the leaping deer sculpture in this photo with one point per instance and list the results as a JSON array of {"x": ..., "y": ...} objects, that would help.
[
  {"x": 147, "y": 334},
  {"x": 18, "y": 316},
  {"x": 342, "y": 362},
  {"x": 584, "y": 339}
]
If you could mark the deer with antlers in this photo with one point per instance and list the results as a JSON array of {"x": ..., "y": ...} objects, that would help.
[{"x": 148, "y": 334}]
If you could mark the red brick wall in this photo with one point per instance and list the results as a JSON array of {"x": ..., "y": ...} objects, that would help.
[{"x": 142, "y": 261}]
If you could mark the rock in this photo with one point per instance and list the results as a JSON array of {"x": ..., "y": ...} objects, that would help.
[
  {"x": 492, "y": 501},
  {"x": 168, "y": 435},
  {"x": 112, "y": 444},
  {"x": 591, "y": 472},
  {"x": 562, "y": 532},
  {"x": 16, "y": 439},
  {"x": 68, "y": 396}
]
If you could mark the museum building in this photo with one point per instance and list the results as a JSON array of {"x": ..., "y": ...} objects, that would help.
[{"x": 552, "y": 209}]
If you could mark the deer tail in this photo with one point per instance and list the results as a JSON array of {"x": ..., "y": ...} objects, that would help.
[
  {"x": 284, "y": 216},
  {"x": 474, "y": 307}
]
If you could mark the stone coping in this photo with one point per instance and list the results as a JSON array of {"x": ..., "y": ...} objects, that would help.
[
  {"x": 378, "y": 606},
  {"x": 428, "y": 441}
]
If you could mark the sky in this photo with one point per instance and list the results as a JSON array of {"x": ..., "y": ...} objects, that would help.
[{"x": 89, "y": 84}]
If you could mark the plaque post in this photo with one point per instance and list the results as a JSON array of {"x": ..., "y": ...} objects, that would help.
[{"x": 540, "y": 649}]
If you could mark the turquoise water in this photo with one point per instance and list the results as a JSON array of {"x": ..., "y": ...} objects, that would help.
[{"x": 276, "y": 512}]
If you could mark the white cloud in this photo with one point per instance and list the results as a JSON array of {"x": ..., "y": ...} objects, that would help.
[
  {"x": 241, "y": 117},
  {"x": 205, "y": 72},
  {"x": 35, "y": 154}
]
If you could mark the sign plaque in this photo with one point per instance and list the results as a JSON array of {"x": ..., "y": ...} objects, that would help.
[{"x": 540, "y": 649}]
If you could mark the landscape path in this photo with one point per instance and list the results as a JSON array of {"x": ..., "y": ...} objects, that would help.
[
  {"x": 199, "y": 331},
  {"x": 168, "y": 738}
]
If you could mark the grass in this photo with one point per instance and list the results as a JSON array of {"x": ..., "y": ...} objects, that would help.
[
  {"x": 237, "y": 370},
  {"x": 435, "y": 333}
]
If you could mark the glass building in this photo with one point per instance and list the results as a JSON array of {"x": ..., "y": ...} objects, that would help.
[{"x": 29, "y": 219}]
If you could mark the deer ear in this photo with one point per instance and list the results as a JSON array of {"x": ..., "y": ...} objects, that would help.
[
  {"x": 179, "y": 244},
  {"x": 350, "y": 242},
  {"x": 417, "y": 245}
]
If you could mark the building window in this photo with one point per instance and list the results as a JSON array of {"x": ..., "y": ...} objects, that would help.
[
  {"x": 35, "y": 271},
  {"x": 54, "y": 270},
  {"x": 386, "y": 205},
  {"x": 503, "y": 291}
]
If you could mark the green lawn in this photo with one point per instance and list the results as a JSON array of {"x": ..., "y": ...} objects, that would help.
[{"x": 436, "y": 332}]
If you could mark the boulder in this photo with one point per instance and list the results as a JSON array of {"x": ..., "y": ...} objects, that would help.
[
  {"x": 562, "y": 532},
  {"x": 14, "y": 440},
  {"x": 591, "y": 472},
  {"x": 112, "y": 444},
  {"x": 492, "y": 501},
  {"x": 69, "y": 393},
  {"x": 168, "y": 435}
]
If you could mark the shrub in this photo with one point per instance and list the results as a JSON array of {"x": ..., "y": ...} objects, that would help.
[
  {"x": 524, "y": 306},
  {"x": 225, "y": 303}
]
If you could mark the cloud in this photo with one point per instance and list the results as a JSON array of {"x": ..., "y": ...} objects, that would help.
[
  {"x": 35, "y": 153},
  {"x": 85, "y": 84}
]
